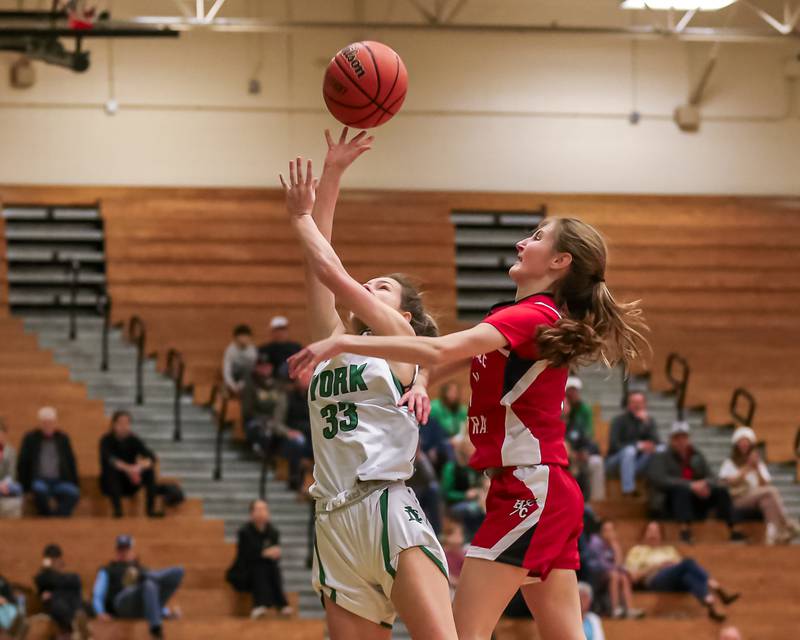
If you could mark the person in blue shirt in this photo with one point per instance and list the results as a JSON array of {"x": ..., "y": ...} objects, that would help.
[{"x": 125, "y": 589}]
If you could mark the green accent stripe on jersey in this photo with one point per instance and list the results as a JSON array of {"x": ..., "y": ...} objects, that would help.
[
  {"x": 319, "y": 563},
  {"x": 397, "y": 384},
  {"x": 387, "y": 563},
  {"x": 436, "y": 560}
]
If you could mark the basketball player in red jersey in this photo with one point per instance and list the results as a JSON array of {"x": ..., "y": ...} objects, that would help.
[{"x": 563, "y": 314}]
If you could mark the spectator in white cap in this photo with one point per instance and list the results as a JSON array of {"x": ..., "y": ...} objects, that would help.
[
  {"x": 586, "y": 463},
  {"x": 751, "y": 488},
  {"x": 682, "y": 487},
  {"x": 47, "y": 467},
  {"x": 278, "y": 350}
]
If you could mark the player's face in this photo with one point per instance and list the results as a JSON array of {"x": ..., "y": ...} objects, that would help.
[
  {"x": 536, "y": 255},
  {"x": 386, "y": 290}
]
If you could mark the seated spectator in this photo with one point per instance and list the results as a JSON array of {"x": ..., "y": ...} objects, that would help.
[
  {"x": 255, "y": 569},
  {"x": 586, "y": 463},
  {"x": 47, "y": 467},
  {"x": 297, "y": 446},
  {"x": 239, "y": 359},
  {"x": 12, "y": 617},
  {"x": 448, "y": 410},
  {"x": 730, "y": 633},
  {"x": 425, "y": 485},
  {"x": 655, "y": 566},
  {"x": 455, "y": 551},
  {"x": 280, "y": 348},
  {"x": 461, "y": 488},
  {"x": 605, "y": 564},
  {"x": 681, "y": 485},
  {"x": 127, "y": 465},
  {"x": 62, "y": 596},
  {"x": 264, "y": 411},
  {"x": 750, "y": 485},
  {"x": 632, "y": 441},
  {"x": 592, "y": 625},
  {"x": 10, "y": 489},
  {"x": 126, "y": 589}
]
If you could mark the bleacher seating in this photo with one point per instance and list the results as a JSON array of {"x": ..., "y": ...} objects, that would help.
[{"x": 717, "y": 277}]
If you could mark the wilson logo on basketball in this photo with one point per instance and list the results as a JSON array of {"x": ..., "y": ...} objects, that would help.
[{"x": 351, "y": 55}]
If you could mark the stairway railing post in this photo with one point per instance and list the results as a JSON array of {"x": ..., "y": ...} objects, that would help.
[
  {"x": 175, "y": 369},
  {"x": 74, "y": 275},
  {"x": 138, "y": 334}
]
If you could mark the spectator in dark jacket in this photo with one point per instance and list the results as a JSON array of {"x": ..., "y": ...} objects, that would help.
[
  {"x": 278, "y": 350},
  {"x": 297, "y": 446},
  {"x": 127, "y": 465},
  {"x": 632, "y": 441},
  {"x": 683, "y": 487},
  {"x": 255, "y": 569},
  {"x": 47, "y": 466},
  {"x": 264, "y": 410},
  {"x": 61, "y": 595},
  {"x": 126, "y": 589},
  {"x": 10, "y": 489},
  {"x": 425, "y": 485}
]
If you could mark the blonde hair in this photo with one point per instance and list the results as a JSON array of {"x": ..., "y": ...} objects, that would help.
[{"x": 594, "y": 326}]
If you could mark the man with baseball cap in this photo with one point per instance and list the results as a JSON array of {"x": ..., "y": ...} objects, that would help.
[
  {"x": 682, "y": 486},
  {"x": 278, "y": 350},
  {"x": 126, "y": 589},
  {"x": 61, "y": 593}
]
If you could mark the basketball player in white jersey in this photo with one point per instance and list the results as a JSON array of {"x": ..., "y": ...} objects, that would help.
[{"x": 376, "y": 554}]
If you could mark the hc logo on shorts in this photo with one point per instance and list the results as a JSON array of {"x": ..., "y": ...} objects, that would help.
[
  {"x": 413, "y": 514},
  {"x": 521, "y": 508}
]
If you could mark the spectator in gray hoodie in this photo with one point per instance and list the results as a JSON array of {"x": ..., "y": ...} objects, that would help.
[{"x": 239, "y": 359}]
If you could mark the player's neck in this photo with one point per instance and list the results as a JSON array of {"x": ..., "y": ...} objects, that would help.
[{"x": 525, "y": 289}]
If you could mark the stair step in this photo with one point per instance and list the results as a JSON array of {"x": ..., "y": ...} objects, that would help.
[{"x": 13, "y": 214}]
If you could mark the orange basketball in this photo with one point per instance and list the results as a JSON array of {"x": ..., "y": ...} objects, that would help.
[{"x": 365, "y": 84}]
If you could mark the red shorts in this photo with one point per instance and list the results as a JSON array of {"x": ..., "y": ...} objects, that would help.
[{"x": 534, "y": 516}]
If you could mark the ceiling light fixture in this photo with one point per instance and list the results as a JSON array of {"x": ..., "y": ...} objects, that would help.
[{"x": 678, "y": 5}]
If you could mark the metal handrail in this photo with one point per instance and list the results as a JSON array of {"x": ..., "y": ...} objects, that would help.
[
  {"x": 625, "y": 385},
  {"x": 679, "y": 384},
  {"x": 747, "y": 417},
  {"x": 175, "y": 370},
  {"x": 138, "y": 333},
  {"x": 74, "y": 268},
  {"x": 104, "y": 308},
  {"x": 222, "y": 423}
]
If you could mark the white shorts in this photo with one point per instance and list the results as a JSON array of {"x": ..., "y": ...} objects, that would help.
[{"x": 357, "y": 549}]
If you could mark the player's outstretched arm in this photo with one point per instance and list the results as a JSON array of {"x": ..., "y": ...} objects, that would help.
[{"x": 428, "y": 352}]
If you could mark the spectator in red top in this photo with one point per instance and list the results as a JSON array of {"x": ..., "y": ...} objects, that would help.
[{"x": 683, "y": 487}]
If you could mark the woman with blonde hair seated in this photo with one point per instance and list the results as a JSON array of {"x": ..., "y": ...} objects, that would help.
[{"x": 751, "y": 488}]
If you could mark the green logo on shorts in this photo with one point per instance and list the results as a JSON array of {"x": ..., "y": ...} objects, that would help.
[{"x": 413, "y": 515}]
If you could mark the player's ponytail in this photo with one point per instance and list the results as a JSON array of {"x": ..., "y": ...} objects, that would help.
[
  {"x": 595, "y": 326},
  {"x": 411, "y": 301}
]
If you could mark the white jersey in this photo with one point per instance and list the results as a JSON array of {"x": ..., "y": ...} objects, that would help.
[{"x": 358, "y": 431}]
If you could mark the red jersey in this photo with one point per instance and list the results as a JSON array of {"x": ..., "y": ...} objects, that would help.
[{"x": 515, "y": 409}]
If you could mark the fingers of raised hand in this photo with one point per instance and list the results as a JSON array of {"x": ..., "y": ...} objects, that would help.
[
  {"x": 298, "y": 165},
  {"x": 283, "y": 182},
  {"x": 309, "y": 173},
  {"x": 329, "y": 138},
  {"x": 292, "y": 174},
  {"x": 343, "y": 137}
]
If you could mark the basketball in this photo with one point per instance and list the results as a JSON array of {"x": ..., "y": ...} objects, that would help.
[{"x": 365, "y": 84}]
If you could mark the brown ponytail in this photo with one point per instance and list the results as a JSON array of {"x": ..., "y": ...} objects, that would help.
[
  {"x": 411, "y": 301},
  {"x": 595, "y": 326}
]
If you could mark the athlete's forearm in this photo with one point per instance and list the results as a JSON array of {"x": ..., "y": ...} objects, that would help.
[
  {"x": 321, "y": 259},
  {"x": 325, "y": 204},
  {"x": 426, "y": 352}
]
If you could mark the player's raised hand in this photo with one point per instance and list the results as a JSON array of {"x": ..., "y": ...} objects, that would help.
[
  {"x": 341, "y": 154},
  {"x": 301, "y": 191},
  {"x": 306, "y": 360}
]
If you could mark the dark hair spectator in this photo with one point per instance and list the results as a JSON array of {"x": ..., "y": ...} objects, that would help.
[
  {"x": 264, "y": 411},
  {"x": 586, "y": 463},
  {"x": 297, "y": 445},
  {"x": 609, "y": 574},
  {"x": 239, "y": 359},
  {"x": 751, "y": 488},
  {"x": 256, "y": 568},
  {"x": 682, "y": 487},
  {"x": 462, "y": 490},
  {"x": 12, "y": 617},
  {"x": 124, "y": 588},
  {"x": 127, "y": 465},
  {"x": 61, "y": 594},
  {"x": 632, "y": 441},
  {"x": 47, "y": 467},
  {"x": 656, "y": 566},
  {"x": 10, "y": 489},
  {"x": 279, "y": 348},
  {"x": 448, "y": 410}
]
